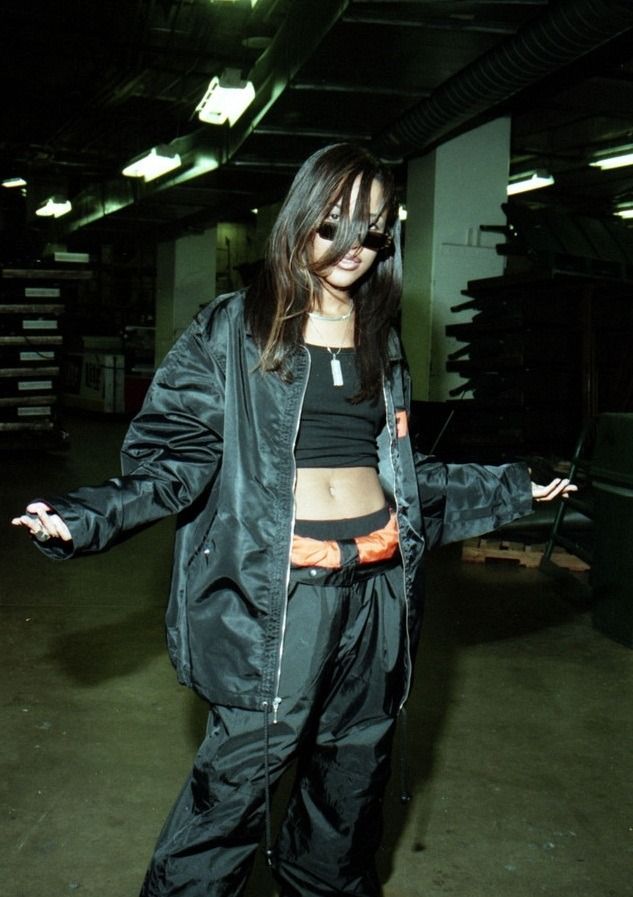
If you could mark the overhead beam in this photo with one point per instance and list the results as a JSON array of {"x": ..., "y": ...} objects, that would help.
[
  {"x": 305, "y": 26},
  {"x": 198, "y": 155}
]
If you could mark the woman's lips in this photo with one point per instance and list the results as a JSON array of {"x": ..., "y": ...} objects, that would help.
[{"x": 349, "y": 264}]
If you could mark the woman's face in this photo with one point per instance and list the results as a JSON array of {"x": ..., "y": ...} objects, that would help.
[{"x": 358, "y": 260}]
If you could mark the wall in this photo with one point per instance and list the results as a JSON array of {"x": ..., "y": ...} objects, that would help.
[{"x": 450, "y": 193}]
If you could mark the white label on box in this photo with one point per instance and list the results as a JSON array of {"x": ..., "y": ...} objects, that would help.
[
  {"x": 42, "y": 292},
  {"x": 28, "y": 324},
  {"x": 32, "y": 385},
  {"x": 34, "y": 411},
  {"x": 37, "y": 356}
]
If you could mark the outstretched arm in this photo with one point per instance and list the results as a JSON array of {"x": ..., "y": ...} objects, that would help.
[
  {"x": 462, "y": 501},
  {"x": 171, "y": 454}
]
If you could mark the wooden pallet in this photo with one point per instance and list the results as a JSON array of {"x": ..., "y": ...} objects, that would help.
[{"x": 482, "y": 551}]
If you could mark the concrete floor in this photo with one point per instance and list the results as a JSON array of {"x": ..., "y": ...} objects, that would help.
[{"x": 520, "y": 723}]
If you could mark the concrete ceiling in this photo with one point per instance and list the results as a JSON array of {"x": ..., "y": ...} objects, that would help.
[{"x": 89, "y": 85}]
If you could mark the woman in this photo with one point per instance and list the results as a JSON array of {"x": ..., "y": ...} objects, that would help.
[{"x": 276, "y": 428}]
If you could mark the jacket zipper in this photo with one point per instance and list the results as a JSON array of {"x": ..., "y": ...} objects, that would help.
[
  {"x": 284, "y": 617},
  {"x": 392, "y": 438}
]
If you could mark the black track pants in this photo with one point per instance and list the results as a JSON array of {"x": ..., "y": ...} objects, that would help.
[{"x": 341, "y": 684}]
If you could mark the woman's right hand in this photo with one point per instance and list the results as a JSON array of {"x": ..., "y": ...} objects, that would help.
[{"x": 42, "y": 523}]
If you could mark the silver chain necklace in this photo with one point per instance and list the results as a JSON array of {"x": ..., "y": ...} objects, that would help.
[{"x": 335, "y": 364}]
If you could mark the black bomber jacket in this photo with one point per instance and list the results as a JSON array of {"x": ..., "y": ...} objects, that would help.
[{"x": 214, "y": 443}]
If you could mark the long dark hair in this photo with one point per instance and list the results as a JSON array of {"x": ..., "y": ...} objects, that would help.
[{"x": 279, "y": 300}]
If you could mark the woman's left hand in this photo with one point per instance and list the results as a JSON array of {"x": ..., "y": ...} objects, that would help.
[{"x": 558, "y": 487}]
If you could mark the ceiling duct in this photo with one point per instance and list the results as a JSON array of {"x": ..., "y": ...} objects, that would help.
[{"x": 568, "y": 30}]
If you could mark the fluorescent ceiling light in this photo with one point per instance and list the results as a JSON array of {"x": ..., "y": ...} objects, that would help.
[
  {"x": 153, "y": 164},
  {"x": 227, "y": 97},
  {"x": 14, "y": 182},
  {"x": 625, "y": 212},
  {"x": 253, "y": 2},
  {"x": 54, "y": 207},
  {"x": 617, "y": 158},
  {"x": 530, "y": 180}
]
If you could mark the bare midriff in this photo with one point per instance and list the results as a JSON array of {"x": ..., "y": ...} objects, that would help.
[{"x": 337, "y": 493}]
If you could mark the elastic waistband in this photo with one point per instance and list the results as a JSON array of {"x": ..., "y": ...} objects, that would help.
[
  {"x": 345, "y": 528},
  {"x": 334, "y": 554}
]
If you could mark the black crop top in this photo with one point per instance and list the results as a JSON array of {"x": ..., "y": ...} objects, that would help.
[{"x": 334, "y": 432}]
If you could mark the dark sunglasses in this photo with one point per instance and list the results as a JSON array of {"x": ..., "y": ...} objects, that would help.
[{"x": 373, "y": 239}]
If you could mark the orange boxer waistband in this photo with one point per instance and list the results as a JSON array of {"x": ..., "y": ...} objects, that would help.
[{"x": 378, "y": 545}]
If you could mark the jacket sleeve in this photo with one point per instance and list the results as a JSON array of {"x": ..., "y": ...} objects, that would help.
[
  {"x": 460, "y": 501},
  {"x": 171, "y": 452}
]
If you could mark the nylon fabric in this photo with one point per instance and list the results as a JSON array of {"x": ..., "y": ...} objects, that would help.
[
  {"x": 380, "y": 545},
  {"x": 462, "y": 499},
  {"x": 341, "y": 684},
  {"x": 307, "y": 552},
  {"x": 214, "y": 442}
]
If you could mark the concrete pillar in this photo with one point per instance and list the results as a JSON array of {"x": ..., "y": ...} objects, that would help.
[
  {"x": 450, "y": 193},
  {"x": 185, "y": 281}
]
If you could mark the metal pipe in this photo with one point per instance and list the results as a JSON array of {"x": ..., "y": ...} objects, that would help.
[{"x": 566, "y": 31}]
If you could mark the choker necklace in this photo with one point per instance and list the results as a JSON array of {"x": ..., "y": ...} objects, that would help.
[{"x": 317, "y": 316}]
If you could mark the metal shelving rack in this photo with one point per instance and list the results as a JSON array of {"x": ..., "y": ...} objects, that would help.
[{"x": 32, "y": 305}]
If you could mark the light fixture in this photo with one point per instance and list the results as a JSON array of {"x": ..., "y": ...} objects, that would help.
[
  {"x": 226, "y": 98},
  {"x": 13, "y": 182},
  {"x": 625, "y": 212},
  {"x": 617, "y": 157},
  {"x": 402, "y": 212},
  {"x": 54, "y": 207},
  {"x": 153, "y": 164},
  {"x": 529, "y": 180},
  {"x": 252, "y": 2}
]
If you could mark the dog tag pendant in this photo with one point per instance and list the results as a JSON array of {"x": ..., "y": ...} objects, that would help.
[{"x": 337, "y": 373}]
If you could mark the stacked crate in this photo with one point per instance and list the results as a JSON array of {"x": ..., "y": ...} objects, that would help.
[{"x": 31, "y": 340}]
